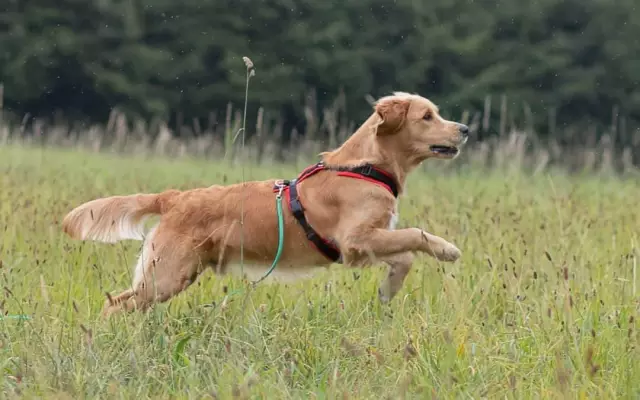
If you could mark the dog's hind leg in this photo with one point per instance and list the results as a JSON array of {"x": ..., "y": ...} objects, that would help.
[{"x": 168, "y": 265}]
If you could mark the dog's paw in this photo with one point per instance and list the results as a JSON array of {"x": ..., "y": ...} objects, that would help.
[{"x": 449, "y": 253}]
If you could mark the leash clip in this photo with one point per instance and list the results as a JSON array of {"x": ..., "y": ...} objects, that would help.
[{"x": 280, "y": 184}]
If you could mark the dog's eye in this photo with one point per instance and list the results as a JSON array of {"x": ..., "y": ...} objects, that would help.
[{"x": 428, "y": 116}]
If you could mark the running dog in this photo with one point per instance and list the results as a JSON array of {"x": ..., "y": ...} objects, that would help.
[{"x": 341, "y": 210}]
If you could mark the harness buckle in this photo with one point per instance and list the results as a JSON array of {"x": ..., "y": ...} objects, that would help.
[{"x": 368, "y": 169}]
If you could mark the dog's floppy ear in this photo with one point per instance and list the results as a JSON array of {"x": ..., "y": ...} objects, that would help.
[{"x": 392, "y": 113}]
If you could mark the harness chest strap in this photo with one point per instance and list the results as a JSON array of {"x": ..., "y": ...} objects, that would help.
[{"x": 366, "y": 172}]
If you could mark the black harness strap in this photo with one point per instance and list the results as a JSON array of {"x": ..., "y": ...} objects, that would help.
[
  {"x": 366, "y": 172},
  {"x": 330, "y": 251}
]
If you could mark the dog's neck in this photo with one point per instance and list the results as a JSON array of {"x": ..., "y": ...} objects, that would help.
[{"x": 366, "y": 147}]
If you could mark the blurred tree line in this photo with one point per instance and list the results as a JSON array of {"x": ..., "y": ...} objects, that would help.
[{"x": 570, "y": 61}]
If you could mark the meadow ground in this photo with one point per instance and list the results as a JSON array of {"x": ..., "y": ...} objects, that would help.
[{"x": 543, "y": 303}]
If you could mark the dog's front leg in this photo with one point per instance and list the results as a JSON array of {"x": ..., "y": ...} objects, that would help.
[
  {"x": 382, "y": 243},
  {"x": 399, "y": 267},
  {"x": 439, "y": 248},
  {"x": 361, "y": 247},
  {"x": 396, "y": 249}
]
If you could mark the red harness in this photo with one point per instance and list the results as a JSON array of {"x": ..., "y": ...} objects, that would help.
[{"x": 365, "y": 172}]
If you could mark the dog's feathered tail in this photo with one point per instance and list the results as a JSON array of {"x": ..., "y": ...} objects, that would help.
[{"x": 115, "y": 218}]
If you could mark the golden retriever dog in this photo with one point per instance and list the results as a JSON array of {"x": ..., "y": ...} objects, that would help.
[{"x": 345, "y": 211}]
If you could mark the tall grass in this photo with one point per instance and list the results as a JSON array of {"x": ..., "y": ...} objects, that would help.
[{"x": 542, "y": 304}]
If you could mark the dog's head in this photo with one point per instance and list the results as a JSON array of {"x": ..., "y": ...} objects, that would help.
[{"x": 413, "y": 124}]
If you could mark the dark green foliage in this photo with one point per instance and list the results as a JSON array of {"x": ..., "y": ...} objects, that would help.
[{"x": 571, "y": 62}]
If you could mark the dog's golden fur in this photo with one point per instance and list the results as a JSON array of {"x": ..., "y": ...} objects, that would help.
[{"x": 201, "y": 228}]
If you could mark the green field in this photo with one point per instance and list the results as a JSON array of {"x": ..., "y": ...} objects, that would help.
[{"x": 543, "y": 303}]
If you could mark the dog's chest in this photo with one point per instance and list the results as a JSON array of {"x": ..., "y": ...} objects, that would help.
[{"x": 393, "y": 222}]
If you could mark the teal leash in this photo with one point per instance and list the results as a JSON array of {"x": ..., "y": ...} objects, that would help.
[
  {"x": 280, "y": 236},
  {"x": 280, "y": 241}
]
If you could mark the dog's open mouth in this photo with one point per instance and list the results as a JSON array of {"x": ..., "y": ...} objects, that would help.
[{"x": 445, "y": 150}]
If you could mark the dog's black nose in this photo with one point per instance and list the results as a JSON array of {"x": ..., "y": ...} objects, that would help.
[{"x": 463, "y": 129}]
